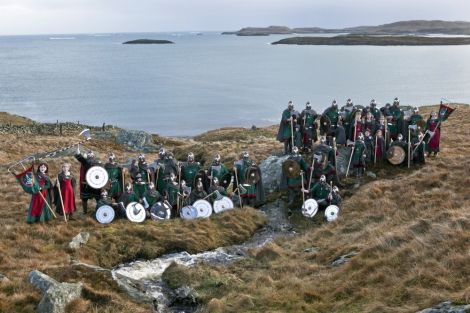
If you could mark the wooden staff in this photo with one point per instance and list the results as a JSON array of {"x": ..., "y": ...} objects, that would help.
[
  {"x": 292, "y": 131},
  {"x": 156, "y": 177},
  {"x": 350, "y": 159},
  {"x": 236, "y": 179},
  {"x": 336, "y": 157},
  {"x": 61, "y": 199},
  {"x": 303, "y": 194},
  {"x": 375, "y": 150},
  {"x": 409, "y": 147},
  {"x": 311, "y": 173},
  {"x": 123, "y": 177}
]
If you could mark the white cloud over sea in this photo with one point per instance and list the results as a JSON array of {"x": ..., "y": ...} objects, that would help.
[{"x": 94, "y": 16}]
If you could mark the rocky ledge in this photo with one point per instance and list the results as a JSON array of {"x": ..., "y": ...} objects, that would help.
[
  {"x": 147, "y": 41},
  {"x": 355, "y": 40}
]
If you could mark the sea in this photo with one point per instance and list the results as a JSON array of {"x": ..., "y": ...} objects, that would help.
[{"x": 206, "y": 80}]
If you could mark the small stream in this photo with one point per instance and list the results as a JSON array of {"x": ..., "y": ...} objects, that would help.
[{"x": 142, "y": 279}]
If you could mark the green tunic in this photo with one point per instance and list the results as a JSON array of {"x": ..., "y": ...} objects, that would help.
[
  {"x": 42, "y": 184},
  {"x": 115, "y": 177},
  {"x": 152, "y": 196},
  {"x": 102, "y": 202},
  {"x": 172, "y": 191},
  {"x": 197, "y": 195},
  {"x": 395, "y": 112},
  {"x": 285, "y": 131},
  {"x": 217, "y": 171},
  {"x": 358, "y": 160},
  {"x": 242, "y": 166},
  {"x": 139, "y": 189},
  {"x": 332, "y": 114},
  {"x": 220, "y": 189},
  {"x": 128, "y": 197},
  {"x": 320, "y": 191},
  {"x": 189, "y": 171}
]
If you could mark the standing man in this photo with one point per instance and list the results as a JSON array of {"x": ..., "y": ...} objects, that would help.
[
  {"x": 115, "y": 177},
  {"x": 294, "y": 184},
  {"x": 189, "y": 170},
  {"x": 217, "y": 169},
  {"x": 247, "y": 172},
  {"x": 87, "y": 192},
  {"x": 309, "y": 127},
  {"x": 286, "y": 128}
]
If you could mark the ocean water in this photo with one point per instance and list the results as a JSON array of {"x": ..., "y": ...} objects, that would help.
[{"x": 206, "y": 81}]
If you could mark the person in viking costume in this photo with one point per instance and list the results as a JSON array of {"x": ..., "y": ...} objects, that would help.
[
  {"x": 433, "y": 127},
  {"x": 172, "y": 193},
  {"x": 373, "y": 110},
  {"x": 286, "y": 128},
  {"x": 249, "y": 179},
  {"x": 198, "y": 192},
  {"x": 309, "y": 127},
  {"x": 379, "y": 147},
  {"x": 39, "y": 186},
  {"x": 333, "y": 115},
  {"x": 400, "y": 142},
  {"x": 321, "y": 192},
  {"x": 139, "y": 186},
  {"x": 370, "y": 123},
  {"x": 189, "y": 170},
  {"x": 142, "y": 168},
  {"x": 396, "y": 119},
  {"x": 216, "y": 190},
  {"x": 294, "y": 183},
  {"x": 345, "y": 113},
  {"x": 369, "y": 142},
  {"x": 115, "y": 174},
  {"x": 66, "y": 193},
  {"x": 217, "y": 169},
  {"x": 86, "y": 191},
  {"x": 359, "y": 154}
]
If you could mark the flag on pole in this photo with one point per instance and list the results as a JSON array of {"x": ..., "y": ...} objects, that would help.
[{"x": 444, "y": 112}]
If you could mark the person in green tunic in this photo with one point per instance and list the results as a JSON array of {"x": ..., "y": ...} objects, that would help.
[
  {"x": 189, "y": 170},
  {"x": 216, "y": 187},
  {"x": 127, "y": 197},
  {"x": 395, "y": 121},
  {"x": 413, "y": 123},
  {"x": 166, "y": 165},
  {"x": 309, "y": 127},
  {"x": 346, "y": 115},
  {"x": 104, "y": 200},
  {"x": 217, "y": 169},
  {"x": 115, "y": 177},
  {"x": 172, "y": 193},
  {"x": 333, "y": 114},
  {"x": 151, "y": 195},
  {"x": 359, "y": 154},
  {"x": 247, "y": 172},
  {"x": 141, "y": 168},
  {"x": 321, "y": 192},
  {"x": 400, "y": 142},
  {"x": 139, "y": 186},
  {"x": 374, "y": 110},
  {"x": 197, "y": 193},
  {"x": 286, "y": 127},
  {"x": 294, "y": 184}
]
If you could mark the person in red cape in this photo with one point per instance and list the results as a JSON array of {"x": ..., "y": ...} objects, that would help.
[
  {"x": 39, "y": 185},
  {"x": 67, "y": 184},
  {"x": 433, "y": 127}
]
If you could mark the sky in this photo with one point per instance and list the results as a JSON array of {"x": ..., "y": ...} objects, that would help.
[{"x": 105, "y": 16}]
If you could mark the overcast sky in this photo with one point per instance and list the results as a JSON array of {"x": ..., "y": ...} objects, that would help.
[{"x": 102, "y": 16}]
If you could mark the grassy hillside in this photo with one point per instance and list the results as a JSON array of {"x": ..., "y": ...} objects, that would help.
[{"x": 411, "y": 232}]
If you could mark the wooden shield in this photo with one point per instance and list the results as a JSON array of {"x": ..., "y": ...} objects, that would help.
[
  {"x": 290, "y": 168},
  {"x": 396, "y": 155},
  {"x": 252, "y": 175}
]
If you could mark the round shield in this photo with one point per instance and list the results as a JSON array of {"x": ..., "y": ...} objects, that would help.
[
  {"x": 96, "y": 177},
  {"x": 135, "y": 212},
  {"x": 421, "y": 124},
  {"x": 309, "y": 208},
  {"x": 253, "y": 174},
  {"x": 290, "y": 168},
  {"x": 105, "y": 214},
  {"x": 223, "y": 204},
  {"x": 396, "y": 155},
  {"x": 188, "y": 212},
  {"x": 160, "y": 211},
  {"x": 225, "y": 180},
  {"x": 202, "y": 176},
  {"x": 203, "y": 207},
  {"x": 331, "y": 213}
]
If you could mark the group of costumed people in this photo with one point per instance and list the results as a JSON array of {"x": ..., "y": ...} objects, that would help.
[
  {"x": 177, "y": 184},
  {"x": 370, "y": 133}
]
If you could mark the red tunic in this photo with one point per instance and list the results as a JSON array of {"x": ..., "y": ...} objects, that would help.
[
  {"x": 433, "y": 144},
  {"x": 37, "y": 202},
  {"x": 68, "y": 194}
]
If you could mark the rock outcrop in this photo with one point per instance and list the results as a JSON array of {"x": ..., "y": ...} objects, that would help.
[
  {"x": 56, "y": 295},
  {"x": 136, "y": 140},
  {"x": 447, "y": 307},
  {"x": 79, "y": 240},
  {"x": 271, "y": 170}
]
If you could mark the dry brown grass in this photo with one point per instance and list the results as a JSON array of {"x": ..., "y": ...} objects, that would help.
[
  {"x": 412, "y": 232},
  {"x": 7, "y": 118},
  {"x": 24, "y": 248}
]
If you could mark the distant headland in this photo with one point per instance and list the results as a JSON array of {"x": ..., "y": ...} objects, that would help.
[
  {"x": 147, "y": 41},
  {"x": 356, "y": 40},
  {"x": 417, "y": 27}
]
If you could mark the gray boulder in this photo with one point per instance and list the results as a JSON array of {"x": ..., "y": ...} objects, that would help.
[
  {"x": 56, "y": 295},
  {"x": 79, "y": 240},
  {"x": 447, "y": 307},
  {"x": 271, "y": 170},
  {"x": 185, "y": 297},
  {"x": 135, "y": 139},
  {"x": 344, "y": 154},
  {"x": 3, "y": 278},
  {"x": 343, "y": 259}
]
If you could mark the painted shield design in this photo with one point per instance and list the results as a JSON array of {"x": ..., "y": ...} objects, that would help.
[
  {"x": 105, "y": 214},
  {"x": 160, "y": 211},
  {"x": 223, "y": 204},
  {"x": 135, "y": 212},
  {"x": 309, "y": 208},
  {"x": 97, "y": 177},
  {"x": 331, "y": 213},
  {"x": 204, "y": 208},
  {"x": 188, "y": 212}
]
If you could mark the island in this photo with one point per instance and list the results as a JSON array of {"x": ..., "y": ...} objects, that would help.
[
  {"x": 420, "y": 27},
  {"x": 147, "y": 42},
  {"x": 360, "y": 40}
]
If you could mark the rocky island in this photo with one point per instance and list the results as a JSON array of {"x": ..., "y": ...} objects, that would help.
[
  {"x": 356, "y": 40},
  {"x": 147, "y": 42}
]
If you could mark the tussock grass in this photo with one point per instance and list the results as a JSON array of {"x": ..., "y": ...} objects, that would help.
[{"x": 411, "y": 231}]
